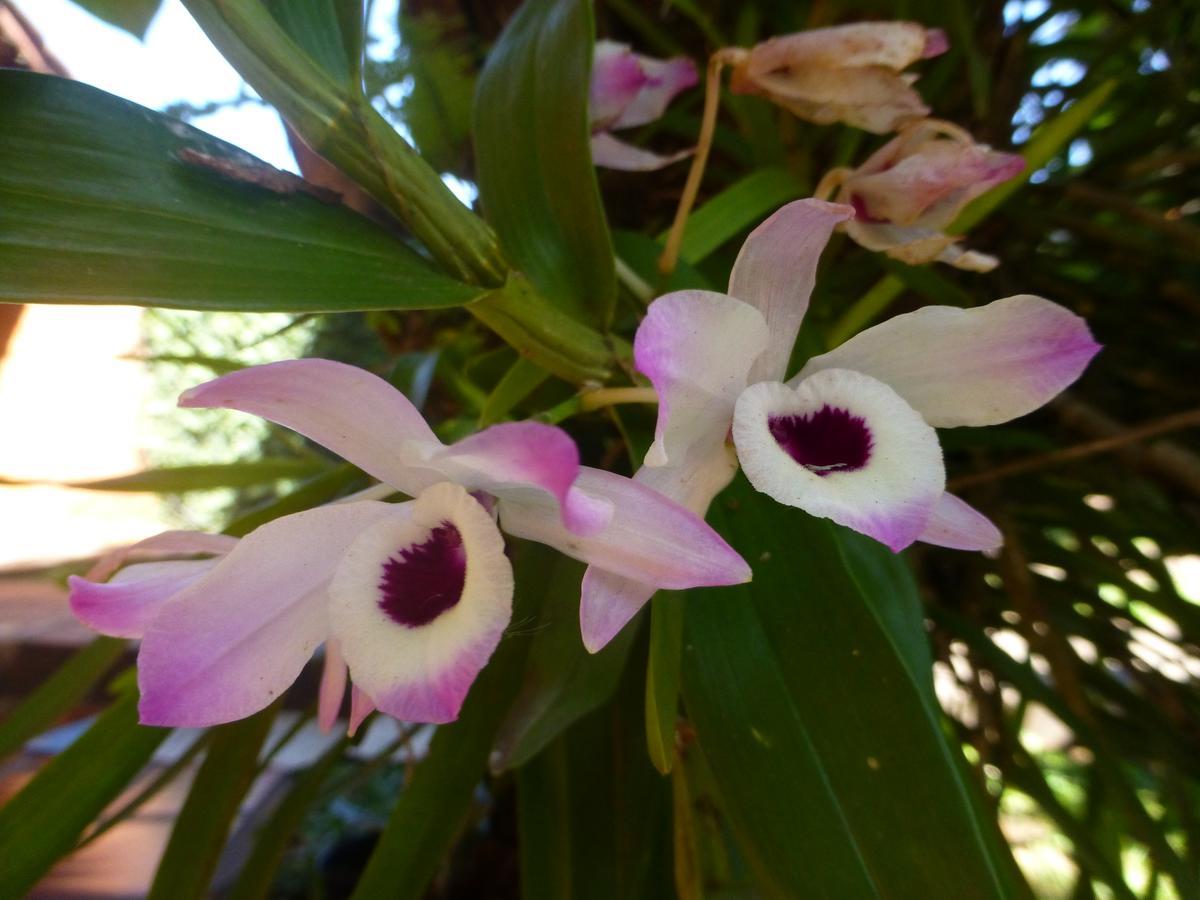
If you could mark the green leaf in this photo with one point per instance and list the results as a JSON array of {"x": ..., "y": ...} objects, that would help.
[
  {"x": 662, "y": 678},
  {"x": 99, "y": 205},
  {"x": 59, "y": 693},
  {"x": 200, "y": 828},
  {"x": 522, "y": 379},
  {"x": 820, "y": 734},
  {"x": 42, "y": 823},
  {"x": 562, "y": 680},
  {"x": 536, "y": 180},
  {"x": 328, "y": 31},
  {"x": 271, "y": 840},
  {"x": 740, "y": 206},
  {"x": 594, "y": 817},
  {"x": 133, "y": 16},
  {"x": 430, "y": 812},
  {"x": 337, "y": 121},
  {"x": 181, "y": 479}
]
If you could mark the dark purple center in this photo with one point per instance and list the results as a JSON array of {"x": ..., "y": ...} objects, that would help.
[
  {"x": 421, "y": 582},
  {"x": 828, "y": 440}
]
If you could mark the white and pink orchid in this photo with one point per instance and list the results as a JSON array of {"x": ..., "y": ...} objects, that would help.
[
  {"x": 851, "y": 437},
  {"x": 846, "y": 73},
  {"x": 628, "y": 90},
  {"x": 914, "y": 186},
  {"x": 412, "y": 597}
]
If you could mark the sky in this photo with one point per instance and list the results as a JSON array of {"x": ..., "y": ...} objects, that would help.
[{"x": 175, "y": 63}]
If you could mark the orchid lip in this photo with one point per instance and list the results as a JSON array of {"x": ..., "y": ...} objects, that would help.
[
  {"x": 422, "y": 581},
  {"x": 826, "y": 441}
]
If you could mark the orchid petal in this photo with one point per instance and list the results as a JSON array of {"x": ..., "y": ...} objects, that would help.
[
  {"x": 168, "y": 543},
  {"x": 874, "y": 99},
  {"x": 333, "y": 686},
  {"x": 894, "y": 45},
  {"x": 357, "y": 415},
  {"x": 360, "y": 707},
  {"x": 842, "y": 446},
  {"x": 651, "y": 539},
  {"x": 519, "y": 459},
  {"x": 664, "y": 79},
  {"x": 611, "y": 153},
  {"x": 229, "y": 644},
  {"x": 617, "y": 76},
  {"x": 607, "y": 603},
  {"x": 977, "y": 366},
  {"x": 775, "y": 272},
  {"x": 126, "y": 605},
  {"x": 958, "y": 525},
  {"x": 419, "y": 603},
  {"x": 683, "y": 347}
]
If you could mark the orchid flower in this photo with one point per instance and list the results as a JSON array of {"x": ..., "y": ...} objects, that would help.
[
  {"x": 851, "y": 437},
  {"x": 848, "y": 73},
  {"x": 411, "y": 597},
  {"x": 914, "y": 186},
  {"x": 627, "y": 90}
]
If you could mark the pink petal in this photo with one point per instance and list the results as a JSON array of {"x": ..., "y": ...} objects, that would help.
[
  {"x": 611, "y": 153},
  {"x": 169, "y": 543},
  {"x": 977, "y": 366},
  {"x": 683, "y": 347},
  {"x": 360, "y": 707},
  {"x": 871, "y": 98},
  {"x": 516, "y": 458},
  {"x": 651, "y": 539},
  {"x": 415, "y": 639},
  {"x": 959, "y": 526},
  {"x": 775, "y": 272},
  {"x": 936, "y": 43},
  {"x": 333, "y": 686},
  {"x": 126, "y": 605},
  {"x": 228, "y": 645},
  {"x": 842, "y": 446},
  {"x": 664, "y": 79},
  {"x": 606, "y": 605},
  {"x": 617, "y": 76},
  {"x": 357, "y": 415}
]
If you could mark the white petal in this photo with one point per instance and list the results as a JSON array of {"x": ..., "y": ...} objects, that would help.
[
  {"x": 872, "y": 464},
  {"x": 684, "y": 347},
  {"x": 977, "y": 366},
  {"x": 414, "y": 649}
]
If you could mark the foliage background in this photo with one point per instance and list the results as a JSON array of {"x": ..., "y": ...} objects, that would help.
[{"x": 1068, "y": 666}]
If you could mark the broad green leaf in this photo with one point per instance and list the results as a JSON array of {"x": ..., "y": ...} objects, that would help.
[
  {"x": 829, "y": 758},
  {"x": 740, "y": 206},
  {"x": 562, "y": 681},
  {"x": 536, "y": 180},
  {"x": 272, "y": 838},
  {"x": 337, "y": 121},
  {"x": 59, "y": 693},
  {"x": 201, "y": 826},
  {"x": 662, "y": 678},
  {"x": 594, "y": 816},
  {"x": 133, "y": 16},
  {"x": 429, "y": 813},
  {"x": 42, "y": 823},
  {"x": 181, "y": 479},
  {"x": 103, "y": 201}
]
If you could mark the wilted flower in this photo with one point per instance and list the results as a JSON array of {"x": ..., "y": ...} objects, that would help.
[
  {"x": 851, "y": 437},
  {"x": 627, "y": 90},
  {"x": 914, "y": 186},
  {"x": 848, "y": 73},
  {"x": 413, "y": 597}
]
